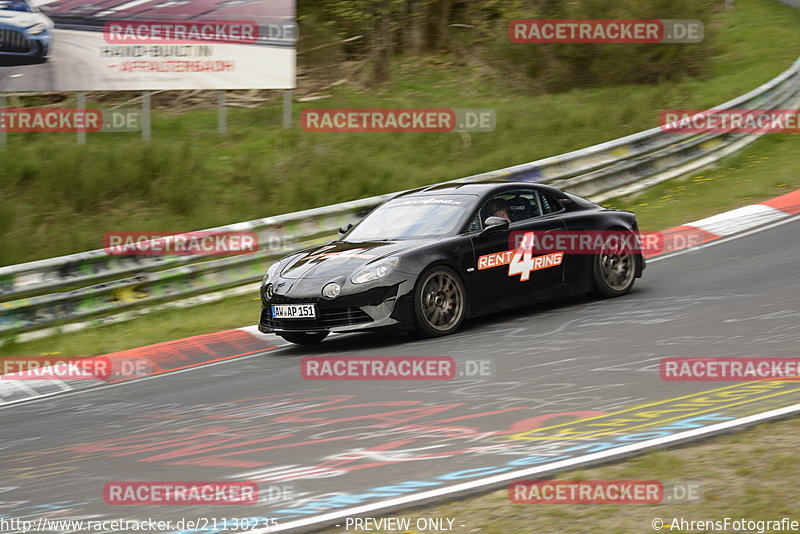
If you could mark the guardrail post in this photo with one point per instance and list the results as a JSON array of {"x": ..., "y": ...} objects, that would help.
[
  {"x": 287, "y": 109},
  {"x": 222, "y": 114},
  {"x": 3, "y": 134},
  {"x": 147, "y": 127},
  {"x": 81, "y": 105}
]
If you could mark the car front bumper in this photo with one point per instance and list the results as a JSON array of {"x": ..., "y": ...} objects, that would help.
[
  {"x": 16, "y": 42},
  {"x": 387, "y": 306}
]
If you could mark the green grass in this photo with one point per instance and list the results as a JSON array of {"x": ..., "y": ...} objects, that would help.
[
  {"x": 766, "y": 491},
  {"x": 59, "y": 198},
  {"x": 765, "y": 170},
  {"x": 165, "y": 325}
]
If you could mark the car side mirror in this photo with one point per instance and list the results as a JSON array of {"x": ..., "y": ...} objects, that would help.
[
  {"x": 45, "y": 8},
  {"x": 346, "y": 228},
  {"x": 494, "y": 225}
]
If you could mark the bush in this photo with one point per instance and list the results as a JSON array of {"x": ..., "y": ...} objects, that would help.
[{"x": 561, "y": 67}]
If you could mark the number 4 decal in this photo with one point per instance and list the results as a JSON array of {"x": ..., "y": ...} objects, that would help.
[{"x": 523, "y": 262}]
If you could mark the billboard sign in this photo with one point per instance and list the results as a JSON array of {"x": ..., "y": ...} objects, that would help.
[{"x": 131, "y": 45}]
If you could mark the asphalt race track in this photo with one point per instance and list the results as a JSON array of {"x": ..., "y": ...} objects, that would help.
[
  {"x": 335, "y": 445},
  {"x": 76, "y": 65}
]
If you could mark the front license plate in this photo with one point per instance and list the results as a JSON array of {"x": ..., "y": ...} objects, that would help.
[{"x": 294, "y": 311}]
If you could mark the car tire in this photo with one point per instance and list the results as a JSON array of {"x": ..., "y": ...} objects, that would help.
[
  {"x": 440, "y": 302},
  {"x": 304, "y": 338},
  {"x": 613, "y": 273}
]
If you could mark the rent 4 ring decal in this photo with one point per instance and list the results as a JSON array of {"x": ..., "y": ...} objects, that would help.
[{"x": 521, "y": 260}]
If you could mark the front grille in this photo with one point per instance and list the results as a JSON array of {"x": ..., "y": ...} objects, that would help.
[
  {"x": 14, "y": 41},
  {"x": 326, "y": 319}
]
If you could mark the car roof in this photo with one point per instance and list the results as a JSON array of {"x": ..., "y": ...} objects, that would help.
[{"x": 478, "y": 188}]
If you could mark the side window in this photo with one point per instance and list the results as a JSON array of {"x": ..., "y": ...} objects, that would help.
[
  {"x": 475, "y": 224},
  {"x": 523, "y": 205},
  {"x": 547, "y": 204},
  {"x": 512, "y": 205}
]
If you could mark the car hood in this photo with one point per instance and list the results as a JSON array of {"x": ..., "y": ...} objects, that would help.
[
  {"x": 19, "y": 19},
  {"x": 340, "y": 259}
]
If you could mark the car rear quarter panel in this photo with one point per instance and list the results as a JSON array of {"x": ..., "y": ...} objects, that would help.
[{"x": 579, "y": 266}]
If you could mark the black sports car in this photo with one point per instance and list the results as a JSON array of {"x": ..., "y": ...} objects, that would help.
[{"x": 430, "y": 258}]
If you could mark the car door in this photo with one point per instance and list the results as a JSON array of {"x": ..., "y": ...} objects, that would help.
[{"x": 507, "y": 272}]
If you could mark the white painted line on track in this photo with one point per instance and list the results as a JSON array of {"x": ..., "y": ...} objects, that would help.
[
  {"x": 789, "y": 219},
  {"x": 151, "y": 377},
  {"x": 739, "y": 220},
  {"x": 531, "y": 471}
]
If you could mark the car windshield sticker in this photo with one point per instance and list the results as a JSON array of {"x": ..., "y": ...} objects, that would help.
[{"x": 422, "y": 202}]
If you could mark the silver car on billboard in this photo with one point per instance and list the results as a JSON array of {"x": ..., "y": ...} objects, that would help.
[{"x": 25, "y": 31}]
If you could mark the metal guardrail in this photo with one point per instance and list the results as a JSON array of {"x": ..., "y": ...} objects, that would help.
[{"x": 61, "y": 290}]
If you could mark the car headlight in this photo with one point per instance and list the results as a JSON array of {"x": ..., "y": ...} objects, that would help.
[
  {"x": 331, "y": 291},
  {"x": 269, "y": 291},
  {"x": 375, "y": 271},
  {"x": 272, "y": 272},
  {"x": 37, "y": 29}
]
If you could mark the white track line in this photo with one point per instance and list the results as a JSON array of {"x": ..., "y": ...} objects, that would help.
[
  {"x": 531, "y": 471},
  {"x": 141, "y": 379},
  {"x": 790, "y": 218}
]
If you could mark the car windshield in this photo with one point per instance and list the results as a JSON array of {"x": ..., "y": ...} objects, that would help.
[
  {"x": 16, "y": 5},
  {"x": 410, "y": 217}
]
